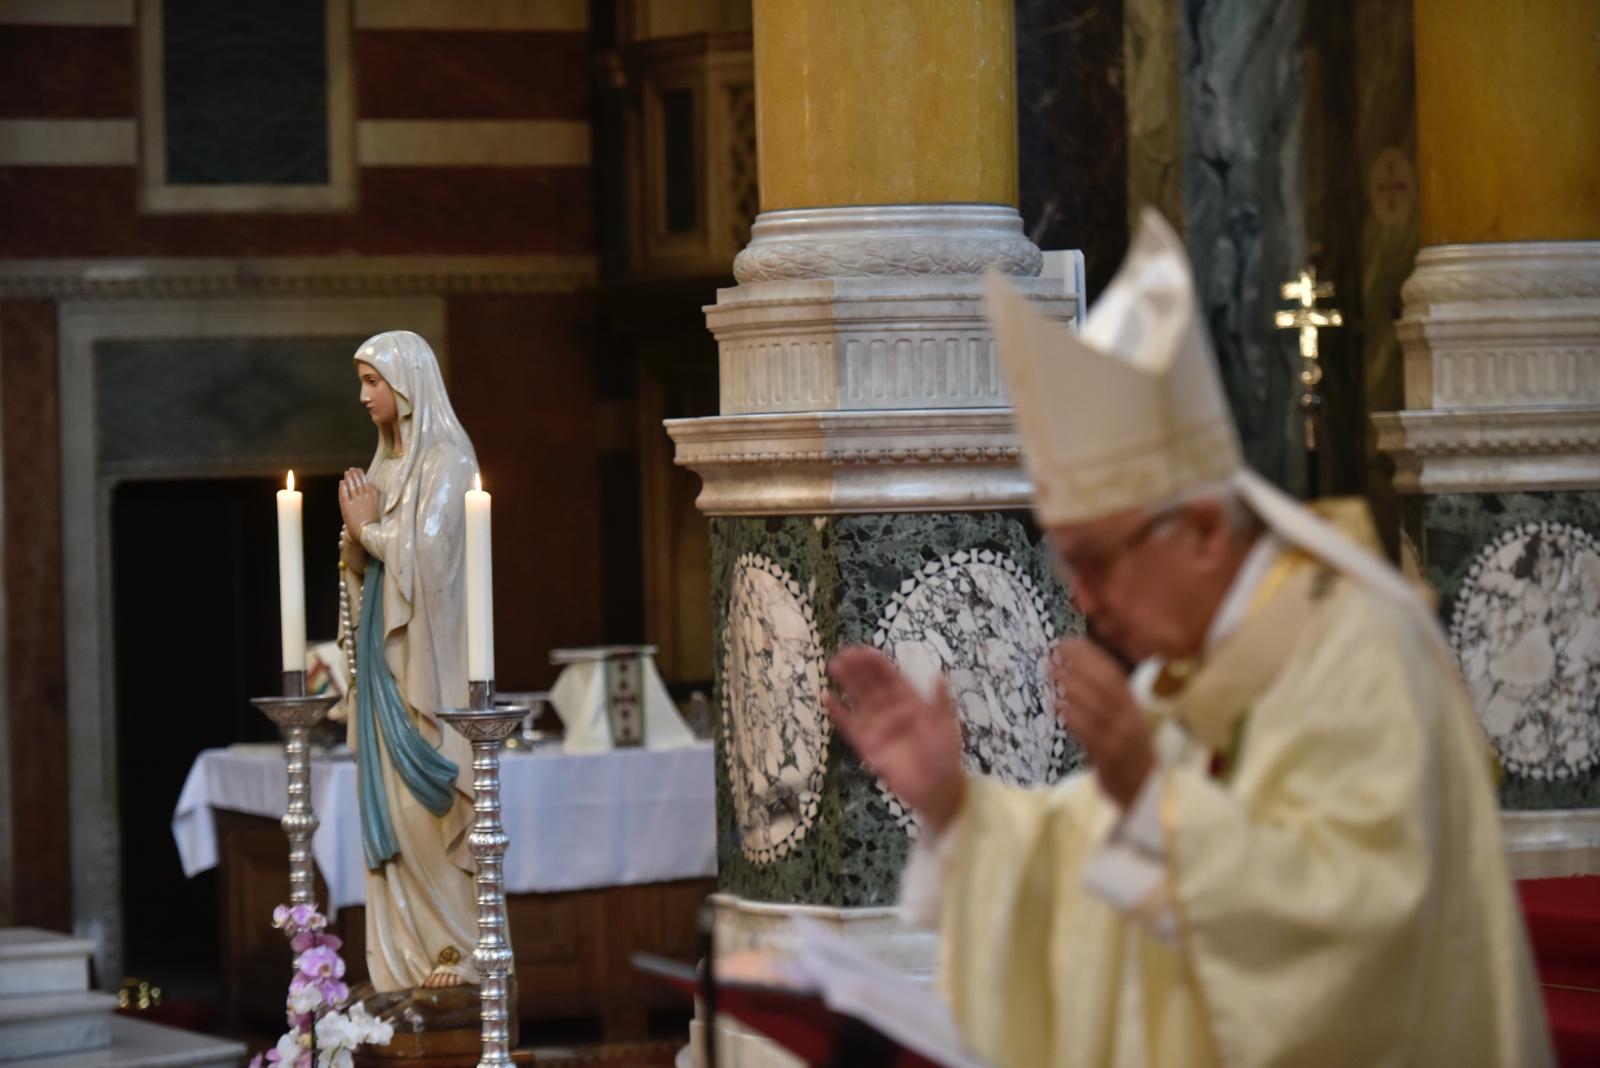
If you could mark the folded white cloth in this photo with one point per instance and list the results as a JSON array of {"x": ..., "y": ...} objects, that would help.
[{"x": 579, "y": 698}]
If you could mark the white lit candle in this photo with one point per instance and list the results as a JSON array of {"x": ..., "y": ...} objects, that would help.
[
  {"x": 291, "y": 578},
  {"x": 480, "y": 586}
]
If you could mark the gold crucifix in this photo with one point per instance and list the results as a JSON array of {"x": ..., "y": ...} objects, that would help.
[{"x": 1307, "y": 318}]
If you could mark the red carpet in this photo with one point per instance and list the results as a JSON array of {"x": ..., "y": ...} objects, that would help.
[{"x": 1564, "y": 926}]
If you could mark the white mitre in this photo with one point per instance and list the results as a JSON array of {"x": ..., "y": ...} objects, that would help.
[{"x": 1130, "y": 412}]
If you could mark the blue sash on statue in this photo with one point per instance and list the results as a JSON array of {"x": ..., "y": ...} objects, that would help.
[{"x": 380, "y": 710}]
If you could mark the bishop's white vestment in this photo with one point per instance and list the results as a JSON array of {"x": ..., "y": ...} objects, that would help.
[{"x": 1329, "y": 884}]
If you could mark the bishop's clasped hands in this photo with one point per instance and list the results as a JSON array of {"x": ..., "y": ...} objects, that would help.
[{"x": 912, "y": 741}]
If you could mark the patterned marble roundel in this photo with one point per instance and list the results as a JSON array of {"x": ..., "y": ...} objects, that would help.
[
  {"x": 775, "y": 730},
  {"x": 979, "y": 619},
  {"x": 1526, "y": 630}
]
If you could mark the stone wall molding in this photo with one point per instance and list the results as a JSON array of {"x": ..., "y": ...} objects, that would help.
[
  {"x": 855, "y": 462},
  {"x": 291, "y": 276},
  {"x": 1492, "y": 450},
  {"x": 886, "y": 241}
]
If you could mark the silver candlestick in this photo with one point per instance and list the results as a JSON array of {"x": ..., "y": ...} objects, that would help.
[
  {"x": 486, "y": 726},
  {"x": 295, "y": 714}
]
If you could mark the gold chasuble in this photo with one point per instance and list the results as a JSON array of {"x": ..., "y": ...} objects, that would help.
[{"x": 1331, "y": 861}]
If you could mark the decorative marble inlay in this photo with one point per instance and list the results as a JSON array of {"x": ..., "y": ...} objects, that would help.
[
  {"x": 775, "y": 732},
  {"x": 1526, "y": 629},
  {"x": 976, "y": 617}
]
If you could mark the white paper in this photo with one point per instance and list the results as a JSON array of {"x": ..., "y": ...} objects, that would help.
[{"x": 856, "y": 984}]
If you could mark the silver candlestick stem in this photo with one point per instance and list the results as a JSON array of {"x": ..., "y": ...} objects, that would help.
[
  {"x": 486, "y": 726},
  {"x": 295, "y": 714}
]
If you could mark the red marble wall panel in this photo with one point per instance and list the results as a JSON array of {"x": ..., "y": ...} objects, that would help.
[
  {"x": 67, "y": 72},
  {"x": 465, "y": 74},
  {"x": 93, "y": 211},
  {"x": 520, "y": 380},
  {"x": 36, "y": 678}
]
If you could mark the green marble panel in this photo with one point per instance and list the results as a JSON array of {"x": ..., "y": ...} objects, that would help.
[
  {"x": 850, "y": 568},
  {"x": 172, "y": 406},
  {"x": 1453, "y": 532},
  {"x": 245, "y": 91}
]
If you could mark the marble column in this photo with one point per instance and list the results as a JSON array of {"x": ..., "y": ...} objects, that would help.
[
  {"x": 1497, "y": 450},
  {"x": 862, "y": 478},
  {"x": 1242, "y": 91}
]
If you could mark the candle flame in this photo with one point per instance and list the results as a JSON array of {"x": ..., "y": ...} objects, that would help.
[
  {"x": 477, "y": 482},
  {"x": 291, "y": 482}
]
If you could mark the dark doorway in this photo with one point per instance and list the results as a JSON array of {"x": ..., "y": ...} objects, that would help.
[{"x": 195, "y": 626}]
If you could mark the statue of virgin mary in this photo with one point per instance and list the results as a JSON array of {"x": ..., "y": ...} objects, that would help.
[{"x": 403, "y": 561}]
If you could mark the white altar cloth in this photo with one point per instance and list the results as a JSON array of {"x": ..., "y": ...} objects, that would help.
[{"x": 574, "y": 820}]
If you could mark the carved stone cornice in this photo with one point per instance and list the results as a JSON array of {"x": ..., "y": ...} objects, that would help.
[
  {"x": 1503, "y": 325},
  {"x": 886, "y": 241},
  {"x": 853, "y": 462},
  {"x": 867, "y": 344},
  {"x": 1492, "y": 449},
  {"x": 163, "y": 278}
]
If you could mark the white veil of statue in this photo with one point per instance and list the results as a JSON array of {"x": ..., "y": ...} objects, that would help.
[{"x": 414, "y": 775}]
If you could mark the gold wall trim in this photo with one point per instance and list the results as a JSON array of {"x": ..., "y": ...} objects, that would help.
[
  {"x": 472, "y": 143},
  {"x": 570, "y": 15}
]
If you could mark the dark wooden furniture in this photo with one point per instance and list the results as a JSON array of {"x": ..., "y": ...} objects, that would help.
[{"x": 572, "y": 949}]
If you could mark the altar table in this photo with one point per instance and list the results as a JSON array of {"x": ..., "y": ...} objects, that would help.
[
  {"x": 610, "y": 854},
  {"x": 574, "y": 821}
]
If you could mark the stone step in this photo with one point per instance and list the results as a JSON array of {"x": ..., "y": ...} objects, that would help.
[
  {"x": 42, "y": 962},
  {"x": 138, "y": 1044},
  {"x": 43, "y": 1025}
]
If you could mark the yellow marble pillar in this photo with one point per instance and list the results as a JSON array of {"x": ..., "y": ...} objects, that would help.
[
  {"x": 885, "y": 102},
  {"x": 1508, "y": 119}
]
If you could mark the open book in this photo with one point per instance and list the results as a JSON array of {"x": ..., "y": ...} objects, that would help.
[{"x": 830, "y": 995}]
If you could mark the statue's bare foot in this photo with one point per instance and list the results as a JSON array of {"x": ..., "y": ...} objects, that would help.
[{"x": 442, "y": 977}]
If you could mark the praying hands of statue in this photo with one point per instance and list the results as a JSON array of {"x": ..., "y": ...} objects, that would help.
[
  {"x": 1094, "y": 702},
  {"x": 358, "y": 503},
  {"x": 911, "y": 741}
]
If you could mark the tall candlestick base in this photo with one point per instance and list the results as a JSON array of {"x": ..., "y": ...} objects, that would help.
[
  {"x": 295, "y": 715},
  {"x": 486, "y": 727}
]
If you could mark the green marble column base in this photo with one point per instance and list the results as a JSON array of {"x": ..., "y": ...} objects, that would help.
[
  {"x": 799, "y": 820},
  {"x": 1518, "y": 575}
]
